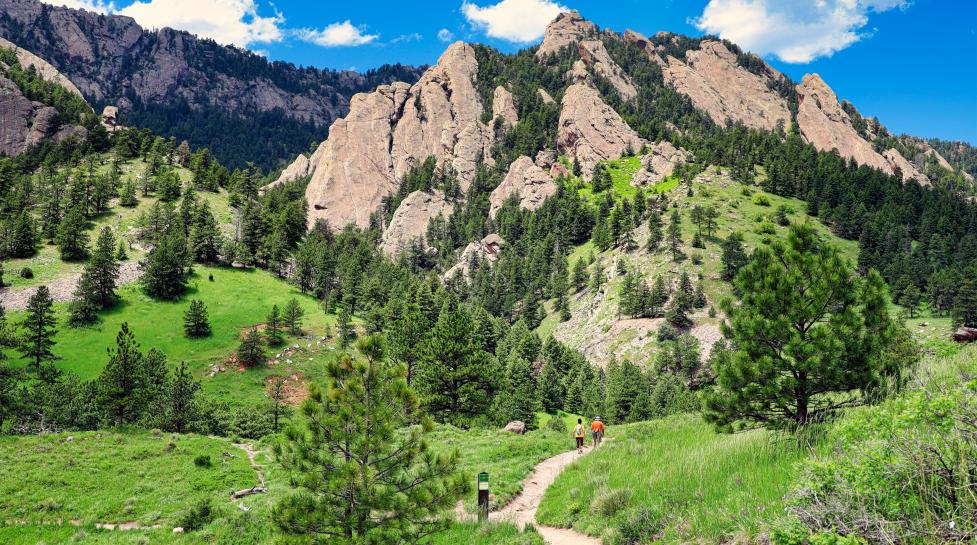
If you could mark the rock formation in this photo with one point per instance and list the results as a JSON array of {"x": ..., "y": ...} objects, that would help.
[
  {"x": 24, "y": 123},
  {"x": 658, "y": 164},
  {"x": 410, "y": 221},
  {"x": 594, "y": 55},
  {"x": 527, "y": 181},
  {"x": 43, "y": 68},
  {"x": 393, "y": 128},
  {"x": 825, "y": 125},
  {"x": 486, "y": 250},
  {"x": 504, "y": 105},
  {"x": 567, "y": 29},
  {"x": 544, "y": 96},
  {"x": 908, "y": 170},
  {"x": 719, "y": 86},
  {"x": 590, "y": 130}
]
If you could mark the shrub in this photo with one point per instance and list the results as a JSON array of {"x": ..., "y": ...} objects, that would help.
[
  {"x": 203, "y": 460},
  {"x": 766, "y": 228},
  {"x": 761, "y": 199},
  {"x": 609, "y": 502},
  {"x": 557, "y": 424},
  {"x": 26, "y": 272},
  {"x": 641, "y": 526},
  {"x": 198, "y": 516},
  {"x": 667, "y": 332}
]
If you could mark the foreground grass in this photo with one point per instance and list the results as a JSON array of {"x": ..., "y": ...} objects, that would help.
[
  {"x": 677, "y": 478},
  {"x": 488, "y": 534}
]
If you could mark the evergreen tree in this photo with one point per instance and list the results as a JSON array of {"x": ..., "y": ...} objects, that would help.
[
  {"x": 675, "y": 235},
  {"x": 910, "y": 300},
  {"x": 658, "y": 298},
  {"x": 347, "y": 332},
  {"x": 550, "y": 390},
  {"x": 120, "y": 386},
  {"x": 166, "y": 268},
  {"x": 733, "y": 256},
  {"x": 72, "y": 240},
  {"x": 965, "y": 301},
  {"x": 38, "y": 325},
  {"x": 517, "y": 399},
  {"x": 23, "y": 239},
  {"x": 101, "y": 273},
  {"x": 196, "y": 323},
  {"x": 181, "y": 410},
  {"x": 364, "y": 469},
  {"x": 273, "y": 327},
  {"x": 205, "y": 235},
  {"x": 127, "y": 196},
  {"x": 120, "y": 252},
  {"x": 579, "y": 275},
  {"x": 292, "y": 316},
  {"x": 251, "y": 352},
  {"x": 655, "y": 234},
  {"x": 809, "y": 337}
]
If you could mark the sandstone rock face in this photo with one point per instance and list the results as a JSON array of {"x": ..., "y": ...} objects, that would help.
[
  {"x": 544, "y": 96},
  {"x": 393, "y": 128},
  {"x": 595, "y": 55},
  {"x": 504, "y": 105},
  {"x": 716, "y": 84},
  {"x": 44, "y": 69},
  {"x": 410, "y": 221},
  {"x": 294, "y": 171},
  {"x": 568, "y": 28},
  {"x": 546, "y": 158},
  {"x": 825, "y": 125},
  {"x": 526, "y": 180},
  {"x": 659, "y": 164},
  {"x": 24, "y": 123},
  {"x": 590, "y": 130},
  {"x": 908, "y": 170},
  {"x": 486, "y": 250}
]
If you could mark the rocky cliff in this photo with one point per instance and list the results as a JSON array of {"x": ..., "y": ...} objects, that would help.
[
  {"x": 166, "y": 76},
  {"x": 591, "y": 131},
  {"x": 527, "y": 181},
  {"x": 409, "y": 223}
]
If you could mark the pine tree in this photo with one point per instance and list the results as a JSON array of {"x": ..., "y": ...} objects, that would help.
[
  {"x": 251, "y": 352},
  {"x": 347, "y": 332},
  {"x": 120, "y": 386},
  {"x": 965, "y": 301},
  {"x": 910, "y": 300},
  {"x": 733, "y": 256},
  {"x": 809, "y": 336},
  {"x": 697, "y": 241},
  {"x": 166, "y": 268},
  {"x": 579, "y": 275},
  {"x": 550, "y": 390},
  {"x": 658, "y": 298},
  {"x": 101, "y": 273},
  {"x": 38, "y": 325},
  {"x": 120, "y": 252},
  {"x": 72, "y": 240},
  {"x": 205, "y": 235},
  {"x": 655, "y": 234},
  {"x": 195, "y": 320},
  {"x": 273, "y": 327},
  {"x": 127, "y": 196},
  {"x": 23, "y": 239},
  {"x": 517, "y": 399},
  {"x": 365, "y": 472},
  {"x": 181, "y": 410},
  {"x": 675, "y": 235},
  {"x": 293, "y": 316}
]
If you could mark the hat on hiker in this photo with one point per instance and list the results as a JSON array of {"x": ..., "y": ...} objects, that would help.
[{"x": 597, "y": 419}]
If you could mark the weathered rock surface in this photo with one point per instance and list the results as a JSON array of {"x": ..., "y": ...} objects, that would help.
[
  {"x": 719, "y": 86},
  {"x": 595, "y": 55},
  {"x": 43, "y": 68},
  {"x": 590, "y": 130},
  {"x": 908, "y": 170},
  {"x": 658, "y": 164},
  {"x": 527, "y": 181},
  {"x": 486, "y": 250},
  {"x": 393, "y": 128},
  {"x": 410, "y": 220},
  {"x": 965, "y": 334},
  {"x": 544, "y": 96},
  {"x": 825, "y": 125},
  {"x": 298, "y": 168},
  {"x": 504, "y": 105},
  {"x": 567, "y": 29},
  {"x": 24, "y": 123},
  {"x": 516, "y": 426}
]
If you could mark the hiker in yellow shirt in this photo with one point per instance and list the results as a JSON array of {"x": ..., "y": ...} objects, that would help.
[{"x": 579, "y": 433}]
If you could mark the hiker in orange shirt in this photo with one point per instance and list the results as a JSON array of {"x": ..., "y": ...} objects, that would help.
[{"x": 597, "y": 431}]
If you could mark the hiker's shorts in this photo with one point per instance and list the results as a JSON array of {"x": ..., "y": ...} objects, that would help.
[
  {"x": 597, "y": 435},
  {"x": 579, "y": 442}
]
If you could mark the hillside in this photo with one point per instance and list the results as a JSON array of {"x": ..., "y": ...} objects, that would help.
[{"x": 240, "y": 105}]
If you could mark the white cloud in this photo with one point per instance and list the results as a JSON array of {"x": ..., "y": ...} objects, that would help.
[
  {"x": 98, "y": 6},
  {"x": 445, "y": 35},
  {"x": 796, "y": 31},
  {"x": 234, "y": 22},
  {"x": 336, "y": 35},
  {"x": 407, "y": 38},
  {"x": 518, "y": 21}
]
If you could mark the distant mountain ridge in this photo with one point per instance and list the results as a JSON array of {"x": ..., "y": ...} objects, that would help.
[{"x": 237, "y": 103}]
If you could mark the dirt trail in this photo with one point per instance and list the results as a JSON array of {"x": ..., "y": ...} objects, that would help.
[
  {"x": 248, "y": 449},
  {"x": 522, "y": 510},
  {"x": 62, "y": 288}
]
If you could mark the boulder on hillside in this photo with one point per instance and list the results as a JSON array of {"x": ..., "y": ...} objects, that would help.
[
  {"x": 965, "y": 334},
  {"x": 26, "y": 123},
  {"x": 410, "y": 220},
  {"x": 529, "y": 182},
  {"x": 567, "y": 29},
  {"x": 486, "y": 250},
  {"x": 591, "y": 131},
  {"x": 658, "y": 164},
  {"x": 516, "y": 426}
]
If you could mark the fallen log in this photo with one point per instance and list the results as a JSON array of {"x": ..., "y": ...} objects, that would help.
[{"x": 248, "y": 491}]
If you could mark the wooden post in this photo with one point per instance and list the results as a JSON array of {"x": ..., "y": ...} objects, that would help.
[{"x": 483, "y": 496}]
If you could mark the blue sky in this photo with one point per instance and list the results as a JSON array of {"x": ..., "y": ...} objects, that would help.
[{"x": 912, "y": 63}]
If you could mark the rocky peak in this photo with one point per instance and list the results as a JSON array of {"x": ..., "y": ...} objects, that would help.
[
  {"x": 593, "y": 54},
  {"x": 590, "y": 130},
  {"x": 504, "y": 105},
  {"x": 567, "y": 29},
  {"x": 529, "y": 182}
]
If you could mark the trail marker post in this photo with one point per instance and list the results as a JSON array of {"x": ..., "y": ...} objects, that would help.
[{"x": 483, "y": 496}]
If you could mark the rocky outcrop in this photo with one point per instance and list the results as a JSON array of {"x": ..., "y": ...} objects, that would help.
[
  {"x": 594, "y": 55},
  {"x": 719, "y": 86},
  {"x": 410, "y": 221},
  {"x": 567, "y": 29},
  {"x": 486, "y": 250},
  {"x": 658, "y": 164},
  {"x": 24, "y": 123},
  {"x": 827, "y": 127},
  {"x": 900, "y": 164},
  {"x": 302, "y": 166},
  {"x": 43, "y": 68},
  {"x": 590, "y": 130},
  {"x": 393, "y": 128},
  {"x": 525, "y": 180},
  {"x": 544, "y": 96},
  {"x": 505, "y": 106}
]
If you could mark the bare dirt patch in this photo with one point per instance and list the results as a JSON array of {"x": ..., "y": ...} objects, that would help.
[{"x": 62, "y": 289}]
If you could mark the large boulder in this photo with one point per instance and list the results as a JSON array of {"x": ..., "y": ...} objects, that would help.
[
  {"x": 718, "y": 85},
  {"x": 590, "y": 130},
  {"x": 529, "y": 182},
  {"x": 567, "y": 29},
  {"x": 659, "y": 164},
  {"x": 394, "y": 128},
  {"x": 410, "y": 220},
  {"x": 486, "y": 250},
  {"x": 828, "y": 127},
  {"x": 965, "y": 334},
  {"x": 516, "y": 426}
]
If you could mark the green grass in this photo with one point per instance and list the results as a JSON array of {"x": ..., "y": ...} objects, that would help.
[
  {"x": 235, "y": 300},
  {"x": 109, "y": 477},
  {"x": 696, "y": 484},
  {"x": 488, "y": 534}
]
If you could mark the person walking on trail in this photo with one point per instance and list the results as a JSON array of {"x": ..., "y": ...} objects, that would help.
[
  {"x": 597, "y": 431},
  {"x": 578, "y": 434}
]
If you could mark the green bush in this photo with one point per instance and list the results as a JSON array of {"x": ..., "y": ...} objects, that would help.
[
  {"x": 557, "y": 424},
  {"x": 609, "y": 502},
  {"x": 760, "y": 199},
  {"x": 26, "y": 272},
  {"x": 203, "y": 460},
  {"x": 197, "y": 516}
]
